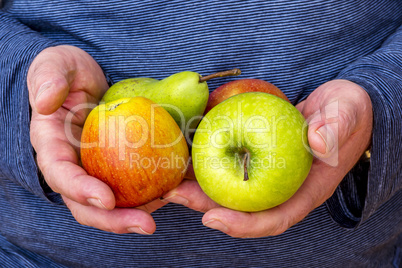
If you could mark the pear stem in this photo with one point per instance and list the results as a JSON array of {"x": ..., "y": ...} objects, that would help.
[{"x": 235, "y": 71}]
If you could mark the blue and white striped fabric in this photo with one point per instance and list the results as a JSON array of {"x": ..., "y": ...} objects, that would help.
[{"x": 297, "y": 45}]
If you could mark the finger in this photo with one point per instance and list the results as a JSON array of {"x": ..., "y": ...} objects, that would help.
[
  {"x": 59, "y": 163},
  {"x": 321, "y": 135},
  {"x": 118, "y": 220},
  {"x": 300, "y": 106},
  {"x": 330, "y": 127},
  {"x": 246, "y": 225},
  {"x": 48, "y": 82},
  {"x": 72, "y": 181},
  {"x": 152, "y": 206},
  {"x": 190, "y": 194}
]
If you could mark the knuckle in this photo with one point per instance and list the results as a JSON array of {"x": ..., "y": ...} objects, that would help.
[
  {"x": 44, "y": 168},
  {"x": 240, "y": 232},
  {"x": 280, "y": 227},
  {"x": 206, "y": 205},
  {"x": 112, "y": 228},
  {"x": 88, "y": 219},
  {"x": 347, "y": 121},
  {"x": 79, "y": 217}
]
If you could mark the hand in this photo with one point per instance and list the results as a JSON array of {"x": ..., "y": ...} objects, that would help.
[
  {"x": 60, "y": 79},
  {"x": 339, "y": 113}
]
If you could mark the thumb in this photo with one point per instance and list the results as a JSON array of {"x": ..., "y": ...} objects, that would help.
[
  {"x": 47, "y": 82},
  {"x": 329, "y": 128}
]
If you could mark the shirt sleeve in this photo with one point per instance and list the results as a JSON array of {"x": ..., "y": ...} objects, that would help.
[
  {"x": 372, "y": 182},
  {"x": 18, "y": 47}
]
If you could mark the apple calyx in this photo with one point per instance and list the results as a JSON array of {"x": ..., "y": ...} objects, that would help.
[{"x": 232, "y": 72}]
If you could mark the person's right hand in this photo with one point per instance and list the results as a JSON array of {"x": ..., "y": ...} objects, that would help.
[{"x": 59, "y": 79}]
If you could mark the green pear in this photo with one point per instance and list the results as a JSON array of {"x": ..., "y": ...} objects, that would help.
[
  {"x": 184, "y": 95},
  {"x": 127, "y": 88}
]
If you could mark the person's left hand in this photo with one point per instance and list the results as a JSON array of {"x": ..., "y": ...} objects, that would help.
[{"x": 340, "y": 117}]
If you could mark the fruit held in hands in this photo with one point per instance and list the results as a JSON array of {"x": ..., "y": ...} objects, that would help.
[
  {"x": 135, "y": 147},
  {"x": 250, "y": 152},
  {"x": 232, "y": 88},
  {"x": 184, "y": 95}
]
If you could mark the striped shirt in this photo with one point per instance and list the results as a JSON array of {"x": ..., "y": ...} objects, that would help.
[{"x": 297, "y": 45}]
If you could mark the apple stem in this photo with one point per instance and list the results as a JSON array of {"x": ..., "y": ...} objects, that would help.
[
  {"x": 111, "y": 108},
  {"x": 235, "y": 71},
  {"x": 245, "y": 163}
]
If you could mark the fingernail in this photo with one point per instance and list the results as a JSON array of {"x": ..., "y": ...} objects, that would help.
[
  {"x": 45, "y": 86},
  {"x": 216, "y": 224},
  {"x": 138, "y": 230},
  {"x": 176, "y": 199},
  {"x": 327, "y": 135},
  {"x": 96, "y": 203}
]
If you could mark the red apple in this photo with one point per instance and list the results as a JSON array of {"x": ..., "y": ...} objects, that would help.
[
  {"x": 135, "y": 147},
  {"x": 241, "y": 86}
]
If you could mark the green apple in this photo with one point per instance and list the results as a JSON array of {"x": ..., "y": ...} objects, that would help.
[{"x": 250, "y": 152}]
